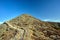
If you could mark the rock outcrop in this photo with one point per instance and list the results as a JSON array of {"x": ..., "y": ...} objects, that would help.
[{"x": 26, "y": 27}]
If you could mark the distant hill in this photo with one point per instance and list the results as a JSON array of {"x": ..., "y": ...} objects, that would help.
[{"x": 26, "y": 27}]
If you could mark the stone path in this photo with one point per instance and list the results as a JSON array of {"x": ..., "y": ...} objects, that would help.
[{"x": 22, "y": 31}]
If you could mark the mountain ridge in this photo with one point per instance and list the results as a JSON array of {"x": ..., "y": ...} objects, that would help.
[{"x": 26, "y": 27}]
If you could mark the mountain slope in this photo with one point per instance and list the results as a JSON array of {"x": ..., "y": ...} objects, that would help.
[{"x": 26, "y": 27}]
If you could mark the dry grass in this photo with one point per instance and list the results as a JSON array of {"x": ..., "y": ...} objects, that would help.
[{"x": 35, "y": 29}]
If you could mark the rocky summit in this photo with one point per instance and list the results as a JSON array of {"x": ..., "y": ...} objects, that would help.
[{"x": 26, "y": 27}]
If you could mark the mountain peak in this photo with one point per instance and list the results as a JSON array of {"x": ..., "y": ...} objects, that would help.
[{"x": 26, "y": 27}]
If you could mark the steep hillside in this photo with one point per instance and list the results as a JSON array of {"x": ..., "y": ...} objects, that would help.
[
  {"x": 56, "y": 25},
  {"x": 26, "y": 27}
]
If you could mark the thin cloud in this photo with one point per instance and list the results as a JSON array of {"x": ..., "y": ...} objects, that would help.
[
  {"x": 46, "y": 20},
  {"x": 56, "y": 20},
  {"x": 1, "y": 22}
]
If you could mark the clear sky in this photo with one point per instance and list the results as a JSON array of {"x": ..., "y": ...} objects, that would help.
[{"x": 47, "y": 10}]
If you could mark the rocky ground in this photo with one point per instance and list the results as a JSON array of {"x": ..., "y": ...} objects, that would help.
[{"x": 26, "y": 27}]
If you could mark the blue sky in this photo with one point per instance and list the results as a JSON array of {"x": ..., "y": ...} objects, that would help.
[{"x": 47, "y": 10}]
